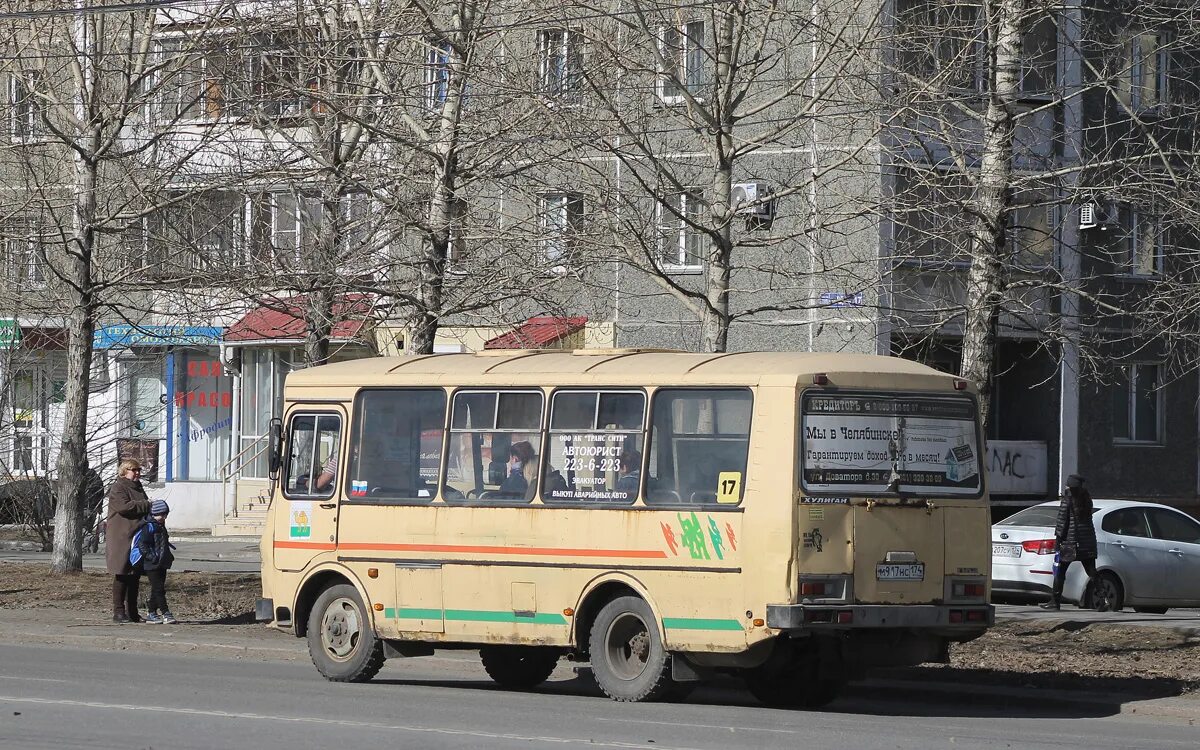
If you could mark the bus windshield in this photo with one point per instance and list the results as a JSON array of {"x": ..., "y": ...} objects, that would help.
[{"x": 889, "y": 444}]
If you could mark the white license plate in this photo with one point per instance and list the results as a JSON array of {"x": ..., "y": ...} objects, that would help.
[
  {"x": 900, "y": 571},
  {"x": 1006, "y": 550}
]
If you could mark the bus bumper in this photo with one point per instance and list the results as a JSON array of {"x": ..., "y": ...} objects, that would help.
[
  {"x": 264, "y": 610},
  {"x": 826, "y": 617}
]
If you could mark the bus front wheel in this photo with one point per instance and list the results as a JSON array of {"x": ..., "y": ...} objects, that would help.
[
  {"x": 341, "y": 640},
  {"x": 629, "y": 660},
  {"x": 518, "y": 667}
]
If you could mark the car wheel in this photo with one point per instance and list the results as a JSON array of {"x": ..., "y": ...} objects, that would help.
[
  {"x": 341, "y": 639},
  {"x": 629, "y": 660},
  {"x": 1107, "y": 593},
  {"x": 1151, "y": 610},
  {"x": 518, "y": 667}
]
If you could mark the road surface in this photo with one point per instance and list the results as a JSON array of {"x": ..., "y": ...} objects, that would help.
[{"x": 58, "y": 697}]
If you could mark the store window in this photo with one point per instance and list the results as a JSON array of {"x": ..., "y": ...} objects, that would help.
[
  {"x": 263, "y": 371},
  {"x": 203, "y": 415}
]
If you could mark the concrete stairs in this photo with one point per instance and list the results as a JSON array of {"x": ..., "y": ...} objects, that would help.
[{"x": 252, "y": 503}]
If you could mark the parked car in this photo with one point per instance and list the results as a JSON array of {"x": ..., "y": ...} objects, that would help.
[{"x": 1148, "y": 557}]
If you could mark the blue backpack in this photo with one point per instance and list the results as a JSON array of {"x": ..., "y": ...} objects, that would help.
[{"x": 135, "y": 552}]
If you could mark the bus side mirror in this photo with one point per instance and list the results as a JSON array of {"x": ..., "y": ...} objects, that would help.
[{"x": 275, "y": 448}]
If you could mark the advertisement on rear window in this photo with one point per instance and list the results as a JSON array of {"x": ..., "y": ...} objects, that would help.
[{"x": 883, "y": 444}]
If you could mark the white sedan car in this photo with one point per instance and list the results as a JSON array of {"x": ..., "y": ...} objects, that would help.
[{"x": 1148, "y": 556}]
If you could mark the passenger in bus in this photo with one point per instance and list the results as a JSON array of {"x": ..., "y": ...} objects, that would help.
[
  {"x": 522, "y": 472},
  {"x": 630, "y": 466}
]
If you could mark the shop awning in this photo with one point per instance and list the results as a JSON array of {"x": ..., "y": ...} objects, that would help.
[
  {"x": 282, "y": 320},
  {"x": 125, "y": 336},
  {"x": 538, "y": 332}
]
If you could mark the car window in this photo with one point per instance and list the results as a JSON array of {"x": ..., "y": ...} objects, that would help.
[
  {"x": 1038, "y": 515},
  {"x": 1174, "y": 526},
  {"x": 1126, "y": 522}
]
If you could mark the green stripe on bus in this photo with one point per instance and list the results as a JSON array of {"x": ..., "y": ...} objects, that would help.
[
  {"x": 474, "y": 615},
  {"x": 700, "y": 623}
]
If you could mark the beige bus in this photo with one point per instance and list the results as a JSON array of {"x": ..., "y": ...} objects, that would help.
[{"x": 791, "y": 518}]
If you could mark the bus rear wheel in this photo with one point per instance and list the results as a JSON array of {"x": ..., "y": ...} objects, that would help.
[
  {"x": 341, "y": 640},
  {"x": 518, "y": 667},
  {"x": 629, "y": 660}
]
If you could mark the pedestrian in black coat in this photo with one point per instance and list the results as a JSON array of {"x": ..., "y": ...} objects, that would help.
[{"x": 1074, "y": 536}]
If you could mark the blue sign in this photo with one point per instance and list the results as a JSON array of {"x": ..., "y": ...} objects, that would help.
[
  {"x": 842, "y": 299},
  {"x": 113, "y": 337}
]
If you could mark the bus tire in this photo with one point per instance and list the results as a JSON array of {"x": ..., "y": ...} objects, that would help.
[
  {"x": 629, "y": 661},
  {"x": 341, "y": 640},
  {"x": 518, "y": 667}
]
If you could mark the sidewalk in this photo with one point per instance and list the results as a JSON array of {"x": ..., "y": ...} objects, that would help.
[{"x": 198, "y": 552}]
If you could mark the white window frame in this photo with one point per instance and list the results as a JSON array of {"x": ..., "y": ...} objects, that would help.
[
  {"x": 1017, "y": 231},
  {"x": 561, "y": 216},
  {"x": 435, "y": 73},
  {"x": 175, "y": 46},
  {"x": 1130, "y": 417},
  {"x": 25, "y": 121},
  {"x": 1133, "y": 84},
  {"x": 675, "y": 233},
  {"x": 24, "y": 255},
  {"x": 674, "y": 85},
  {"x": 1136, "y": 225},
  {"x": 566, "y": 46}
]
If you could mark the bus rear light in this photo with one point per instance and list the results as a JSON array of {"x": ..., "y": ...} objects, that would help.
[
  {"x": 820, "y": 379},
  {"x": 813, "y": 588},
  {"x": 976, "y": 615},
  {"x": 1039, "y": 546},
  {"x": 956, "y": 616},
  {"x": 960, "y": 385},
  {"x": 965, "y": 590},
  {"x": 845, "y": 617}
]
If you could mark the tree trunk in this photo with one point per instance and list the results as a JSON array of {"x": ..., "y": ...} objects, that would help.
[
  {"x": 72, "y": 458},
  {"x": 714, "y": 324},
  {"x": 990, "y": 204}
]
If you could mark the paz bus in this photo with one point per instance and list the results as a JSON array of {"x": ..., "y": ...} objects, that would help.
[{"x": 792, "y": 518}]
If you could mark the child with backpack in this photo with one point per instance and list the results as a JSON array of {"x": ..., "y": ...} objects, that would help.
[{"x": 151, "y": 551}]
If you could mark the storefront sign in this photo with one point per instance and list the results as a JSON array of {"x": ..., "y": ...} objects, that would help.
[
  {"x": 112, "y": 337},
  {"x": 10, "y": 334},
  {"x": 1017, "y": 467}
]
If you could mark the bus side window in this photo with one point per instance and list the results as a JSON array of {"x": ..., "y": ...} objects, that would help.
[
  {"x": 699, "y": 441},
  {"x": 594, "y": 451},
  {"x": 312, "y": 462},
  {"x": 396, "y": 446},
  {"x": 494, "y": 440}
]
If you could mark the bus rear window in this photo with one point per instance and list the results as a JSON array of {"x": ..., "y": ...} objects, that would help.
[{"x": 880, "y": 443}]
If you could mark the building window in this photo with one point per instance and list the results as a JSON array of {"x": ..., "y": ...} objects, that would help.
[
  {"x": 437, "y": 73},
  {"x": 1031, "y": 236},
  {"x": 202, "y": 232},
  {"x": 1137, "y": 404},
  {"x": 686, "y": 63},
  {"x": 1143, "y": 83},
  {"x": 561, "y": 219},
  {"x": 197, "y": 82},
  {"x": 560, "y": 62},
  {"x": 263, "y": 371},
  {"x": 681, "y": 242},
  {"x": 145, "y": 410},
  {"x": 940, "y": 45},
  {"x": 1039, "y": 58},
  {"x": 27, "y": 109},
  {"x": 1141, "y": 243},
  {"x": 24, "y": 254}
]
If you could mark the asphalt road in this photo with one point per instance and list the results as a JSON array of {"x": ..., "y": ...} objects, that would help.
[{"x": 75, "y": 698}]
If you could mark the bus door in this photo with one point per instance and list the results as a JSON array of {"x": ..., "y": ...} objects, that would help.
[{"x": 306, "y": 522}]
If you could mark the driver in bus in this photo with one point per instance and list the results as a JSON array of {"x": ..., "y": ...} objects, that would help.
[{"x": 325, "y": 478}]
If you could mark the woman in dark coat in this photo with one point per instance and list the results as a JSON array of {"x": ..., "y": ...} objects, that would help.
[
  {"x": 127, "y": 506},
  {"x": 1075, "y": 537}
]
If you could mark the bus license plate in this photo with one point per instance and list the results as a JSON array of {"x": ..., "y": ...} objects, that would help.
[{"x": 900, "y": 571}]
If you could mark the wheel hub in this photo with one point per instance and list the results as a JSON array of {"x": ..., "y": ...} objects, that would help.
[{"x": 340, "y": 629}]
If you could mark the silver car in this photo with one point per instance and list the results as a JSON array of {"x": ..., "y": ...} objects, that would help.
[{"x": 1148, "y": 556}]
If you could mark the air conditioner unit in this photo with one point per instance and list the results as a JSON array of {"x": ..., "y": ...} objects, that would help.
[
  {"x": 752, "y": 199},
  {"x": 1089, "y": 216}
]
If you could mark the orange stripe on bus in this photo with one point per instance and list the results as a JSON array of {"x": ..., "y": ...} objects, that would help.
[
  {"x": 305, "y": 545},
  {"x": 489, "y": 550}
]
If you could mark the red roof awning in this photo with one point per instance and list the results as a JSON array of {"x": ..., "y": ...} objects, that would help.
[
  {"x": 283, "y": 320},
  {"x": 538, "y": 332}
]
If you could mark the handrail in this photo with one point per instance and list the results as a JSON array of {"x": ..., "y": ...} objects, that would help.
[{"x": 228, "y": 469}]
